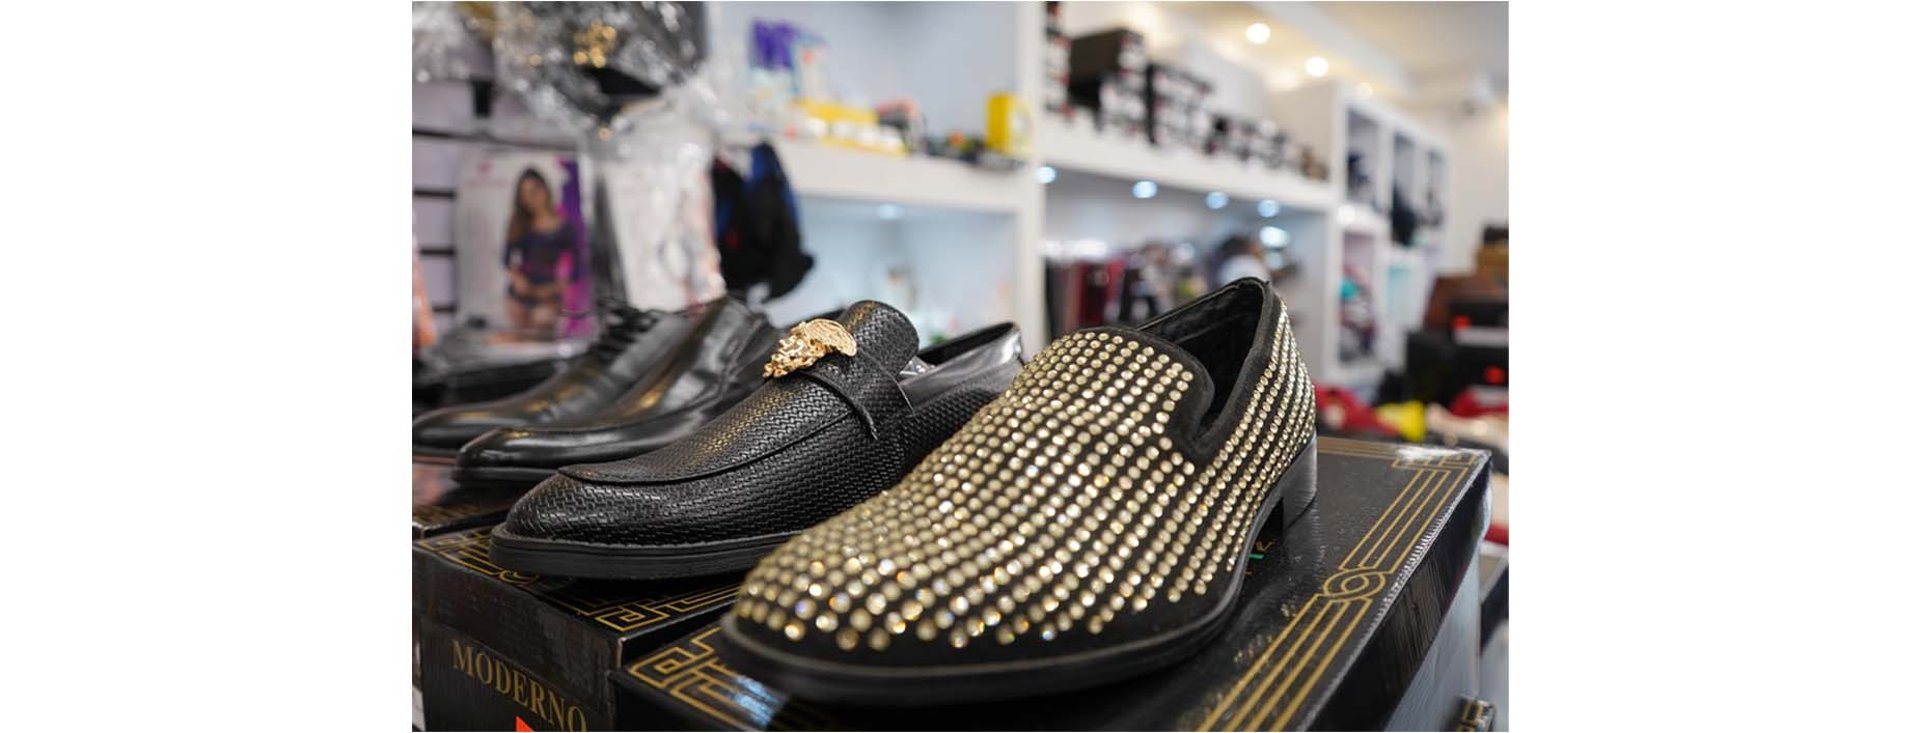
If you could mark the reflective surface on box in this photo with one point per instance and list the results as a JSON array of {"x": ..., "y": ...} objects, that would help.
[
  {"x": 1311, "y": 595},
  {"x": 439, "y": 503},
  {"x": 622, "y": 606}
]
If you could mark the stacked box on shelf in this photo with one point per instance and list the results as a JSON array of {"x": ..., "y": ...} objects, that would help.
[
  {"x": 1176, "y": 108},
  {"x": 1053, "y": 85},
  {"x": 1267, "y": 144},
  {"x": 1107, "y": 73},
  {"x": 1054, "y": 57},
  {"x": 1229, "y": 138}
]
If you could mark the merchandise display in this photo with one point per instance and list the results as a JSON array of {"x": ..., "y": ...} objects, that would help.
[
  {"x": 828, "y": 428},
  {"x": 649, "y": 494},
  {"x": 630, "y": 344},
  {"x": 1123, "y": 472}
]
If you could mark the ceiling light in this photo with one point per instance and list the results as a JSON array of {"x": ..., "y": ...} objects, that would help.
[
  {"x": 1216, "y": 200},
  {"x": 1045, "y": 174},
  {"x": 1259, "y": 33},
  {"x": 1269, "y": 208},
  {"x": 889, "y": 211},
  {"x": 1274, "y": 237},
  {"x": 1145, "y": 189},
  {"x": 1317, "y": 66}
]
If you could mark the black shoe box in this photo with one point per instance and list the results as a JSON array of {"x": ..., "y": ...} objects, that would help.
[
  {"x": 503, "y": 650},
  {"x": 441, "y": 506},
  {"x": 1364, "y": 615},
  {"x": 1108, "y": 53}
]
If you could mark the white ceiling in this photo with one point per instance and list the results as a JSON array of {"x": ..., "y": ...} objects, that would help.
[{"x": 1433, "y": 39}]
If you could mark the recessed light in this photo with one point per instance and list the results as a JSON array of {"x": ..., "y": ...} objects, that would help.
[
  {"x": 1259, "y": 33},
  {"x": 1045, "y": 174},
  {"x": 1274, "y": 236},
  {"x": 1145, "y": 189},
  {"x": 1269, "y": 208},
  {"x": 1317, "y": 66},
  {"x": 1216, "y": 200}
]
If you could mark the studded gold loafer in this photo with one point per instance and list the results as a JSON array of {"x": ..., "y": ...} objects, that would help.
[{"x": 1091, "y": 523}]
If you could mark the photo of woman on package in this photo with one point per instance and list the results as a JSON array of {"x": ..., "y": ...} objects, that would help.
[{"x": 539, "y": 256}]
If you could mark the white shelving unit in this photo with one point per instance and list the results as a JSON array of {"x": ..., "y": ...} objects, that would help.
[
  {"x": 1079, "y": 148},
  {"x": 1400, "y": 151},
  {"x": 839, "y": 173},
  {"x": 968, "y": 242}
]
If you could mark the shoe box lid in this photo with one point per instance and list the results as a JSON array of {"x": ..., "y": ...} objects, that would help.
[
  {"x": 1332, "y": 630},
  {"x": 491, "y": 631},
  {"x": 440, "y": 505}
]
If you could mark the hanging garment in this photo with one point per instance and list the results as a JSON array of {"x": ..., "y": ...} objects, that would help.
[{"x": 757, "y": 226}]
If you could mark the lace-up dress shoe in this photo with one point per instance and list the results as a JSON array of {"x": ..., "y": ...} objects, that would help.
[
  {"x": 1092, "y": 523},
  {"x": 716, "y": 366},
  {"x": 845, "y": 411},
  {"x": 631, "y": 343}
]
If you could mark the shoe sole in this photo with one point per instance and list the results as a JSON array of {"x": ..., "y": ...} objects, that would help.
[
  {"x": 830, "y": 682},
  {"x": 629, "y": 562},
  {"x": 500, "y": 477}
]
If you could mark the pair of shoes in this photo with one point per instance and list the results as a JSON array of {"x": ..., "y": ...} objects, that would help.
[
  {"x": 936, "y": 539},
  {"x": 649, "y": 380},
  {"x": 715, "y": 364},
  {"x": 630, "y": 345},
  {"x": 846, "y": 409}
]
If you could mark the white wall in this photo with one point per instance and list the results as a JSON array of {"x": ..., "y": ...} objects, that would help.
[
  {"x": 948, "y": 56},
  {"x": 1478, "y": 180}
]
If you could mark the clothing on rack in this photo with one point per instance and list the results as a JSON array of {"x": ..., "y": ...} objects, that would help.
[
  {"x": 756, "y": 225},
  {"x": 1127, "y": 288}
]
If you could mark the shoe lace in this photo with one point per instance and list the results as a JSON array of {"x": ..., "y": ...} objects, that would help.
[{"x": 620, "y": 325}]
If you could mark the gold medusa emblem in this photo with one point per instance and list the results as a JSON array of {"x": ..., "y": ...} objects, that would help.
[{"x": 806, "y": 343}]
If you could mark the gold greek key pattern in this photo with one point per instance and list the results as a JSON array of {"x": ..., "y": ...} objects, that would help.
[
  {"x": 1476, "y": 715},
  {"x": 691, "y": 674},
  {"x": 469, "y": 550},
  {"x": 626, "y": 613},
  {"x": 1272, "y": 691},
  {"x": 619, "y": 611}
]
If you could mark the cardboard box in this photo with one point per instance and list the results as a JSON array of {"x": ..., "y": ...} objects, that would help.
[
  {"x": 441, "y": 506},
  {"x": 502, "y": 649},
  {"x": 1332, "y": 630}
]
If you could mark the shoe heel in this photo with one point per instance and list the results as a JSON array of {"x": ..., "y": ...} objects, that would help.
[{"x": 1299, "y": 483}]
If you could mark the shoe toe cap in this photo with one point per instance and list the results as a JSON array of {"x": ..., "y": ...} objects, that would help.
[
  {"x": 452, "y": 428},
  {"x": 564, "y": 508}
]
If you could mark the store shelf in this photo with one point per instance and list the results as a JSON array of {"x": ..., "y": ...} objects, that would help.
[
  {"x": 842, "y": 173},
  {"x": 1366, "y": 221},
  {"x": 1064, "y": 146}
]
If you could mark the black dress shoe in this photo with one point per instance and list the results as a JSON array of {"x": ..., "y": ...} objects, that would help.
[
  {"x": 631, "y": 343},
  {"x": 1092, "y": 523},
  {"x": 845, "y": 413},
  {"x": 716, "y": 366}
]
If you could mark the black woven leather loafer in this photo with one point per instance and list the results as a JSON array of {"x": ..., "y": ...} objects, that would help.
[
  {"x": 715, "y": 367},
  {"x": 1092, "y": 523},
  {"x": 630, "y": 345},
  {"x": 846, "y": 412}
]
